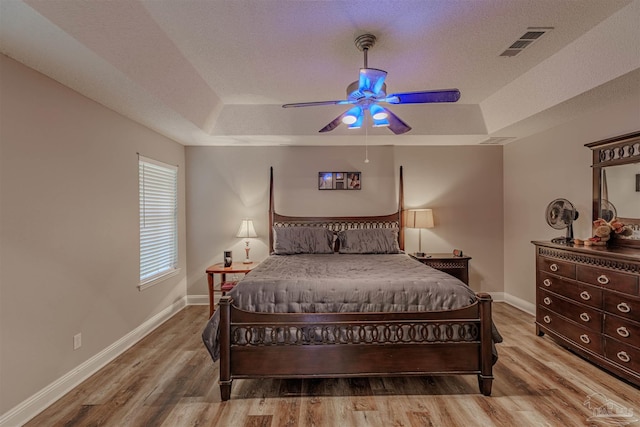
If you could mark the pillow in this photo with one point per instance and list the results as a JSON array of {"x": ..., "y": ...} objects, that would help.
[
  {"x": 302, "y": 240},
  {"x": 369, "y": 241}
]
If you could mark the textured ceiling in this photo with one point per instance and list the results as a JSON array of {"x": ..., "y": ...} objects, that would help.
[{"x": 211, "y": 72}]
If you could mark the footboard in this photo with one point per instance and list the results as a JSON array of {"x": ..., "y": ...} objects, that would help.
[{"x": 317, "y": 345}]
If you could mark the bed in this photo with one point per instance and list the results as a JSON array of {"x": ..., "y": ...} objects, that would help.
[{"x": 340, "y": 298}]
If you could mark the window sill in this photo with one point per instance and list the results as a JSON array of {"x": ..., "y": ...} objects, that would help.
[{"x": 158, "y": 279}]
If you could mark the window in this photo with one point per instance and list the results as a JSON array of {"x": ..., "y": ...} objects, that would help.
[{"x": 158, "y": 188}]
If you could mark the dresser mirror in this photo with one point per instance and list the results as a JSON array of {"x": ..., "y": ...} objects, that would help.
[{"x": 616, "y": 184}]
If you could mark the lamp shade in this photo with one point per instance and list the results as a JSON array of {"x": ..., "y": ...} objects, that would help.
[
  {"x": 246, "y": 229},
  {"x": 419, "y": 218}
]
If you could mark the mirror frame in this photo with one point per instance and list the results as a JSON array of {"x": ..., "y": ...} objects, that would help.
[{"x": 619, "y": 150}]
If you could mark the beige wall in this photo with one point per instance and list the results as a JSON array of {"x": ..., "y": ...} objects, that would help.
[
  {"x": 546, "y": 166},
  {"x": 462, "y": 184},
  {"x": 69, "y": 230},
  {"x": 464, "y": 187},
  {"x": 69, "y": 223}
]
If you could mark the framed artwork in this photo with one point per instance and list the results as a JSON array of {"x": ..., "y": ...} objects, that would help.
[{"x": 339, "y": 181}]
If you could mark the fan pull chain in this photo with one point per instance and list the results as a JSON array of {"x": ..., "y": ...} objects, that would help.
[{"x": 366, "y": 144}]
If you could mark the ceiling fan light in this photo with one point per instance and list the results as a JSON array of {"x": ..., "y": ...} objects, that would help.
[
  {"x": 352, "y": 116},
  {"x": 358, "y": 123},
  {"x": 378, "y": 123},
  {"x": 349, "y": 120},
  {"x": 377, "y": 112}
]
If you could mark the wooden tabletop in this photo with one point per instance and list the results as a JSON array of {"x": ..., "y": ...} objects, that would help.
[
  {"x": 236, "y": 267},
  {"x": 447, "y": 255}
]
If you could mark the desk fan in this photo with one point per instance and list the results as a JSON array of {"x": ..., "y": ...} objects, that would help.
[{"x": 560, "y": 215}]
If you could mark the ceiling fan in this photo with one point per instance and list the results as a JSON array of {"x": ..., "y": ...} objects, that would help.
[{"x": 370, "y": 91}]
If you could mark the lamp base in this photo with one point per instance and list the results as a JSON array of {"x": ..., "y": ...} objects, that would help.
[
  {"x": 246, "y": 250},
  {"x": 420, "y": 254}
]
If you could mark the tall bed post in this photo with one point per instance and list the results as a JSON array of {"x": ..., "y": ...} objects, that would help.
[
  {"x": 401, "y": 212},
  {"x": 271, "y": 209}
]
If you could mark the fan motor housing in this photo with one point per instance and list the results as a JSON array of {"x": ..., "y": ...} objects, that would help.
[{"x": 353, "y": 92}]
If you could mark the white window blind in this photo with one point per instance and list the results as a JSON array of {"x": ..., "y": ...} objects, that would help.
[{"x": 158, "y": 187}]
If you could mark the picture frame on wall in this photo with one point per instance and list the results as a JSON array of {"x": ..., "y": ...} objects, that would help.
[
  {"x": 353, "y": 181},
  {"x": 339, "y": 180},
  {"x": 325, "y": 181}
]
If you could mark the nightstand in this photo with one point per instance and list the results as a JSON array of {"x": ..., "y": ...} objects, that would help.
[
  {"x": 457, "y": 266},
  {"x": 225, "y": 286}
]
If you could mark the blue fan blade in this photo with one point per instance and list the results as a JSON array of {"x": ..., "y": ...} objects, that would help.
[
  {"x": 447, "y": 95},
  {"x": 371, "y": 80},
  {"x": 396, "y": 125},
  {"x": 316, "y": 103}
]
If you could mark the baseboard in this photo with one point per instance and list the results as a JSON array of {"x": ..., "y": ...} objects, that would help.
[
  {"x": 521, "y": 304},
  {"x": 497, "y": 296},
  {"x": 31, "y": 407},
  {"x": 518, "y": 303},
  {"x": 197, "y": 299}
]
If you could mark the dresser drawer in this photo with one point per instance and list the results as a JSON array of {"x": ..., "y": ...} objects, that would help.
[
  {"x": 623, "y": 330},
  {"x": 622, "y": 305},
  {"x": 560, "y": 268},
  {"x": 582, "y": 315},
  {"x": 585, "y": 294},
  {"x": 620, "y": 282},
  {"x": 580, "y": 335},
  {"x": 622, "y": 354}
]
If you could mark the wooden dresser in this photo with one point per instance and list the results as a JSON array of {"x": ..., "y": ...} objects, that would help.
[{"x": 588, "y": 299}]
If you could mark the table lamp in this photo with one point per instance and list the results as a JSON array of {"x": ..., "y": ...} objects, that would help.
[
  {"x": 419, "y": 218},
  {"x": 247, "y": 231}
]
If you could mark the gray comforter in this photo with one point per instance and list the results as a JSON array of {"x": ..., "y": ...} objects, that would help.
[{"x": 342, "y": 283}]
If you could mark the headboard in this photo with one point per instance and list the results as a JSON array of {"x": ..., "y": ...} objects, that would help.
[{"x": 338, "y": 223}]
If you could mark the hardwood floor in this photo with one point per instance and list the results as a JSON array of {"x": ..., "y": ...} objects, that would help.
[{"x": 168, "y": 379}]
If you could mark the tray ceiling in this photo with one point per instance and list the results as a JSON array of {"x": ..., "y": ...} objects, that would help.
[{"x": 211, "y": 72}]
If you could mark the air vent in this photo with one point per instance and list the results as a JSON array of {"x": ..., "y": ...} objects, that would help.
[
  {"x": 510, "y": 52},
  {"x": 526, "y": 40},
  {"x": 521, "y": 44},
  {"x": 498, "y": 140}
]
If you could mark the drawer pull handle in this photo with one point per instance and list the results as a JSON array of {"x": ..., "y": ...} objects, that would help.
[
  {"x": 553, "y": 267},
  {"x": 585, "y": 295},
  {"x": 622, "y": 355},
  {"x": 603, "y": 280},
  {"x": 623, "y": 332},
  {"x": 547, "y": 300},
  {"x": 623, "y": 307},
  {"x": 585, "y": 317},
  {"x": 585, "y": 339},
  {"x": 546, "y": 319},
  {"x": 546, "y": 282}
]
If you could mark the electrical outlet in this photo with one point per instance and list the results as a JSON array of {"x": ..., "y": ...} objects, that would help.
[{"x": 77, "y": 341}]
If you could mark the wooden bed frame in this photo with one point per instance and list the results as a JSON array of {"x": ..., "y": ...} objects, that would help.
[{"x": 376, "y": 354}]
